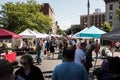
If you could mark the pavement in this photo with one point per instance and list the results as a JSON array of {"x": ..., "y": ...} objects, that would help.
[
  {"x": 46, "y": 64},
  {"x": 49, "y": 64}
]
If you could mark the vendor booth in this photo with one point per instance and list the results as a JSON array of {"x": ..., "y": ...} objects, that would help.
[
  {"x": 7, "y": 34},
  {"x": 93, "y": 32},
  {"x": 7, "y": 37},
  {"x": 112, "y": 35}
]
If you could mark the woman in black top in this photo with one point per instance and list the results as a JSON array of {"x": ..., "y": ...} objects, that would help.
[
  {"x": 89, "y": 57},
  {"x": 29, "y": 71}
]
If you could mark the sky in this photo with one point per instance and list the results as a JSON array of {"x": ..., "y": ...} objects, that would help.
[{"x": 67, "y": 12}]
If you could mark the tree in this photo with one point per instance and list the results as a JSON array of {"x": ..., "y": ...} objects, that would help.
[
  {"x": 68, "y": 31},
  {"x": 107, "y": 27},
  {"x": 60, "y": 32},
  {"x": 19, "y": 16}
]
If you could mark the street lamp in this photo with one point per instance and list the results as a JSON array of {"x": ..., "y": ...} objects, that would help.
[{"x": 88, "y": 17}]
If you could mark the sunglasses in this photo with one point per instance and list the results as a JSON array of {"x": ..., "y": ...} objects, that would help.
[{"x": 23, "y": 63}]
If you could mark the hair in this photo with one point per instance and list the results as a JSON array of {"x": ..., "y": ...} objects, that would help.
[
  {"x": 28, "y": 59},
  {"x": 83, "y": 44},
  {"x": 114, "y": 65},
  {"x": 69, "y": 53},
  {"x": 6, "y": 68},
  {"x": 92, "y": 47}
]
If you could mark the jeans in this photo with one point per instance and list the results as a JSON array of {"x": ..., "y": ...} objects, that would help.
[{"x": 39, "y": 57}]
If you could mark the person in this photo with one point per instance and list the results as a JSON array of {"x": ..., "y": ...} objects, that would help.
[
  {"x": 78, "y": 42},
  {"x": 89, "y": 58},
  {"x": 97, "y": 47},
  {"x": 114, "y": 68},
  {"x": 112, "y": 44},
  {"x": 117, "y": 44},
  {"x": 80, "y": 54},
  {"x": 52, "y": 49},
  {"x": 27, "y": 70},
  {"x": 43, "y": 47},
  {"x": 68, "y": 69},
  {"x": 109, "y": 51},
  {"x": 105, "y": 73},
  {"x": 38, "y": 51},
  {"x": 6, "y": 71},
  {"x": 109, "y": 70},
  {"x": 47, "y": 47}
]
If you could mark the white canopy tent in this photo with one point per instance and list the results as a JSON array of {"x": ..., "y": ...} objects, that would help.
[
  {"x": 40, "y": 34},
  {"x": 32, "y": 34},
  {"x": 55, "y": 35},
  {"x": 36, "y": 34},
  {"x": 48, "y": 36},
  {"x": 27, "y": 34}
]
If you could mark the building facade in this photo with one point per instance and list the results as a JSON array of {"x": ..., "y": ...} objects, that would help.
[
  {"x": 47, "y": 10},
  {"x": 97, "y": 19},
  {"x": 111, "y": 14}
]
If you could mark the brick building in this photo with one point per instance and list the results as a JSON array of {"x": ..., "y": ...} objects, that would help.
[
  {"x": 96, "y": 19},
  {"x": 47, "y": 10}
]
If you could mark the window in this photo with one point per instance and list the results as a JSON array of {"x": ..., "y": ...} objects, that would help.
[
  {"x": 110, "y": 15},
  {"x": 110, "y": 23},
  {"x": 111, "y": 7}
]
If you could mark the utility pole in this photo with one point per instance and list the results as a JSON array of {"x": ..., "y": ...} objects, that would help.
[{"x": 88, "y": 17}]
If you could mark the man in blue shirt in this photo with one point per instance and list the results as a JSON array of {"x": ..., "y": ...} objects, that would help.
[
  {"x": 80, "y": 54},
  {"x": 68, "y": 69}
]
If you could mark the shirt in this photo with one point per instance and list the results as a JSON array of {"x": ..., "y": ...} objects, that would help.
[
  {"x": 69, "y": 71},
  {"x": 79, "y": 56}
]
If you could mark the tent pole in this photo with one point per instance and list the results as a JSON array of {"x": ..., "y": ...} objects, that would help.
[{"x": 13, "y": 45}]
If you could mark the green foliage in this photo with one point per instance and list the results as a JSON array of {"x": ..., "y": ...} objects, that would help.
[
  {"x": 73, "y": 30},
  {"x": 60, "y": 32},
  {"x": 107, "y": 27},
  {"x": 118, "y": 14},
  {"x": 19, "y": 16},
  {"x": 68, "y": 31}
]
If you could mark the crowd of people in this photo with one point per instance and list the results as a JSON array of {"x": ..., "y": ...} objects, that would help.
[{"x": 76, "y": 61}]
